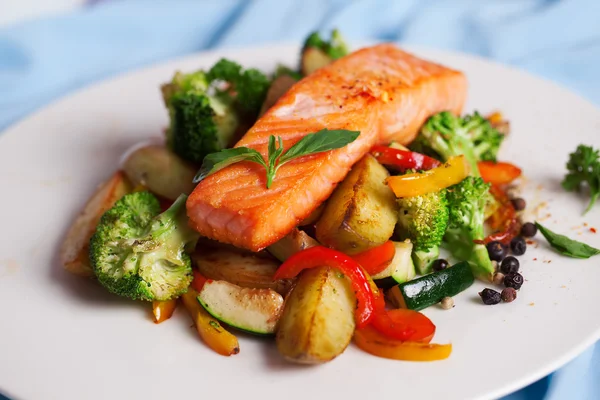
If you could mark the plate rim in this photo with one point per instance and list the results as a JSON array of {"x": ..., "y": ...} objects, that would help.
[{"x": 114, "y": 79}]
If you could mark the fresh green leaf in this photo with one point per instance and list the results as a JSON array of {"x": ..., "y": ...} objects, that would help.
[
  {"x": 566, "y": 246},
  {"x": 318, "y": 142},
  {"x": 221, "y": 159},
  {"x": 312, "y": 143},
  {"x": 274, "y": 154},
  {"x": 584, "y": 169}
]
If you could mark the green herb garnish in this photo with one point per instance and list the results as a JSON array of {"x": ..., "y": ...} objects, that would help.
[
  {"x": 566, "y": 246},
  {"x": 313, "y": 143},
  {"x": 584, "y": 168}
]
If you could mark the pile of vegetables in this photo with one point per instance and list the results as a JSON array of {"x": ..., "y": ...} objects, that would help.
[{"x": 377, "y": 237}]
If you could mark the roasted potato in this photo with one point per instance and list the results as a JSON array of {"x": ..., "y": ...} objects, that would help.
[
  {"x": 318, "y": 319},
  {"x": 278, "y": 87},
  {"x": 75, "y": 247},
  {"x": 362, "y": 211},
  {"x": 160, "y": 170},
  {"x": 294, "y": 242},
  {"x": 240, "y": 268},
  {"x": 313, "y": 59}
]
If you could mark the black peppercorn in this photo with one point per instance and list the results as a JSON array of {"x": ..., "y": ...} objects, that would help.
[
  {"x": 519, "y": 204},
  {"x": 528, "y": 230},
  {"x": 509, "y": 264},
  {"x": 508, "y": 294},
  {"x": 518, "y": 246},
  {"x": 496, "y": 250},
  {"x": 439, "y": 264},
  {"x": 513, "y": 280},
  {"x": 490, "y": 296}
]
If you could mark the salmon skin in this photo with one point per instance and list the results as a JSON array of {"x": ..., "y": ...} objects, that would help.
[{"x": 381, "y": 91}]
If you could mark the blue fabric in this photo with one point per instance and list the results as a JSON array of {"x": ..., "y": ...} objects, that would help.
[{"x": 42, "y": 60}]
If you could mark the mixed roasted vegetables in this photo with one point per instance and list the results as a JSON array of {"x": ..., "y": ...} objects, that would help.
[{"x": 361, "y": 267}]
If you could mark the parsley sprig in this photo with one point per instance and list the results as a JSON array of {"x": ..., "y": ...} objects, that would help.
[{"x": 584, "y": 169}]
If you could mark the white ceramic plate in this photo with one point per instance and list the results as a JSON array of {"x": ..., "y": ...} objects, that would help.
[{"x": 65, "y": 337}]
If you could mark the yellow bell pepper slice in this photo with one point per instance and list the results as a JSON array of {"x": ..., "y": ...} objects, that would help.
[
  {"x": 452, "y": 172},
  {"x": 163, "y": 310},
  {"x": 370, "y": 340},
  {"x": 209, "y": 329}
]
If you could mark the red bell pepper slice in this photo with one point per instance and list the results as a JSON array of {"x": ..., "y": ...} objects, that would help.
[
  {"x": 402, "y": 324},
  {"x": 498, "y": 173},
  {"x": 320, "y": 256},
  {"x": 376, "y": 259},
  {"x": 402, "y": 159},
  {"x": 198, "y": 281},
  {"x": 504, "y": 220}
]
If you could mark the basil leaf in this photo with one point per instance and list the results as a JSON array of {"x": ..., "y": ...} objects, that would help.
[
  {"x": 566, "y": 246},
  {"x": 274, "y": 154},
  {"x": 318, "y": 142},
  {"x": 221, "y": 159}
]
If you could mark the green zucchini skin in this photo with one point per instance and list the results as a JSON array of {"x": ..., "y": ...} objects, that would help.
[{"x": 430, "y": 289}]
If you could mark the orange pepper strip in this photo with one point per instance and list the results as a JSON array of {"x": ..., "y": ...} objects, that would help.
[
  {"x": 376, "y": 259},
  {"x": 434, "y": 180},
  {"x": 209, "y": 329},
  {"x": 500, "y": 173},
  {"x": 163, "y": 310},
  {"x": 373, "y": 342}
]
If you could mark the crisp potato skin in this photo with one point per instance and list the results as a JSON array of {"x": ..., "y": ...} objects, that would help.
[
  {"x": 362, "y": 211},
  {"x": 160, "y": 170},
  {"x": 242, "y": 268},
  {"x": 318, "y": 319},
  {"x": 74, "y": 252},
  {"x": 313, "y": 59}
]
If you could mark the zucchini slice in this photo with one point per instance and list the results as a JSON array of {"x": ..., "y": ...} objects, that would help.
[
  {"x": 430, "y": 289},
  {"x": 251, "y": 310},
  {"x": 402, "y": 268}
]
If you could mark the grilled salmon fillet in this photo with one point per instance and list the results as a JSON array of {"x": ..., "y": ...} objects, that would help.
[{"x": 381, "y": 91}]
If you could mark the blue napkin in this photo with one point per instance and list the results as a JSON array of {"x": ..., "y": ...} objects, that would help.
[{"x": 42, "y": 60}]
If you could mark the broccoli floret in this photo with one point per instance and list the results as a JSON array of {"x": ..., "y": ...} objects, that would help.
[
  {"x": 250, "y": 85},
  {"x": 584, "y": 168},
  {"x": 445, "y": 135},
  {"x": 335, "y": 48},
  {"x": 466, "y": 203},
  {"x": 205, "y": 109},
  {"x": 201, "y": 123},
  {"x": 139, "y": 253},
  {"x": 423, "y": 219}
]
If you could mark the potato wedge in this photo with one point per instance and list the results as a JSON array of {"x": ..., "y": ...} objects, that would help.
[
  {"x": 75, "y": 247},
  {"x": 318, "y": 319},
  {"x": 160, "y": 170},
  {"x": 313, "y": 59},
  {"x": 278, "y": 87},
  {"x": 294, "y": 242},
  {"x": 240, "y": 268},
  {"x": 362, "y": 211}
]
